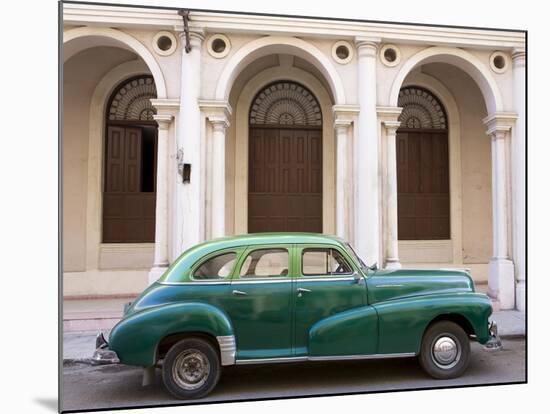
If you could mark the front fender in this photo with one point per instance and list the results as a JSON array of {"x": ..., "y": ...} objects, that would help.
[
  {"x": 402, "y": 322},
  {"x": 136, "y": 337}
]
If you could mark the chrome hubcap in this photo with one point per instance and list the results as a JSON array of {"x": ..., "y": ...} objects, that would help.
[
  {"x": 446, "y": 351},
  {"x": 191, "y": 369}
]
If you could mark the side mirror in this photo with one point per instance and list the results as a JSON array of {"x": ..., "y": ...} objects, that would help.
[{"x": 374, "y": 267}]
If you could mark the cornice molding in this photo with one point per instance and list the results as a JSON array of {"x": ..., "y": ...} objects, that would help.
[{"x": 159, "y": 19}]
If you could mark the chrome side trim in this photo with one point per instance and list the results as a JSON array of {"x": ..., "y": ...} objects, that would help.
[
  {"x": 256, "y": 281},
  {"x": 270, "y": 360},
  {"x": 389, "y": 285},
  {"x": 197, "y": 283},
  {"x": 259, "y": 281},
  {"x": 323, "y": 358},
  {"x": 324, "y": 279},
  {"x": 228, "y": 349},
  {"x": 372, "y": 356}
]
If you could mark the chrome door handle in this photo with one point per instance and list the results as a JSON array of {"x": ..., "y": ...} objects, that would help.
[
  {"x": 239, "y": 293},
  {"x": 302, "y": 290}
]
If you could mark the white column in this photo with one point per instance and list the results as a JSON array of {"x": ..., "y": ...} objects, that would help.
[
  {"x": 501, "y": 267},
  {"x": 160, "y": 263},
  {"x": 518, "y": 175},
  {"x": 392, "y": 246},
  {"x": 190, "y": 197},
  {"x": 218, "y": 176},
  {"x": 342, "y": 194},
  {"x": 367, "y": 210},
  {"x": 218, "y": 114}
]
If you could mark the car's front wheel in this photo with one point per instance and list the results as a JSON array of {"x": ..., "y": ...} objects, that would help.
[
  {"x": 445, "y": 350},
  {"x": 191, "y": 368}
]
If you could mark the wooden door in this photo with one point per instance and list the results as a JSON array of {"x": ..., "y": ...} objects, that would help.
[
  {"x": 128, "y": 211},
  {"x": 285, "y": 180},
  {"x": 423, "y": 185}
]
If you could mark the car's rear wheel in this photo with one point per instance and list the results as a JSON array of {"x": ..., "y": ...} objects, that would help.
[
  {"x": 191, "y": 368},
  {"x": 445, "y": 350}
]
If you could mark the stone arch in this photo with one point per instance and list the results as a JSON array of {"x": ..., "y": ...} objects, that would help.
[
  {"x": 81, "y": 38},
  {"x": 279, "y": 45},
  {"x": 456, "y": 57}
]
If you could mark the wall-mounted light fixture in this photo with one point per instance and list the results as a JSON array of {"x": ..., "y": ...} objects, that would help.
[
  {"x": 179, "y": 159},
  {"x": 186, "y": 176}
]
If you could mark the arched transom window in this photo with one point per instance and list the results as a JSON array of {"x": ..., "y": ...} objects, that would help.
[
  {"x": 132, "y": 100},
  {"x": 421, "y": 109},
  {"x": 285, "y": 103}
]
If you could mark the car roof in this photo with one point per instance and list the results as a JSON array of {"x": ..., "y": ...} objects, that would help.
[{"x": 269, "y": 238}]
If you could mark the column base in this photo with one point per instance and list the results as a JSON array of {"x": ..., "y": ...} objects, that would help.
[
  {"x": 393, "y": 264},
  {"x": 502, "y": 283},
  {"x": 520, "y": 296},
  {"x": 156, "y": 272}
]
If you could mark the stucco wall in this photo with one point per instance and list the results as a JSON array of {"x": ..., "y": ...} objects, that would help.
[{"x": 81, "y": 73}]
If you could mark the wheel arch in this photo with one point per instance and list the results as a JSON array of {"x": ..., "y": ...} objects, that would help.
[
  {"x": 455, "y": 317},
  {"x": 169, "y": 340}
]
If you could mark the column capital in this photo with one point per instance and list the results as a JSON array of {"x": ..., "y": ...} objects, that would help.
[
  {"x": 196, "y": 36},
  {"x": 219, "y": 123},
  {"x": 518, "y": 57},
  {"x": 344, "y": 115},
  {"x": 194, "y": 32},
  {"x": 217, "y": 112},
  {"x": 367, "y": 46},
  {"x": 166, "y": 106},
  {"x": 388, "y": 114},
  {"x": 391, "y": 126},
  {"x": 342, "y": 125},
  {"x": 163, "y": 120},
  {"x": 499, "y": 123}
]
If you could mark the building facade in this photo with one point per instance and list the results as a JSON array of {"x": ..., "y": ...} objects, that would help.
[{"x": 178, "y": 127}]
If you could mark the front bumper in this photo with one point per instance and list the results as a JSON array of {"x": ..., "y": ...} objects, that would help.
[
  {"x": 103, "y": 355},
  {"x": 494, "y": 343}
]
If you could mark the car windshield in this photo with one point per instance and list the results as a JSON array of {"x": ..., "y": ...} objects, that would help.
[{"x": 364, "y": 267}]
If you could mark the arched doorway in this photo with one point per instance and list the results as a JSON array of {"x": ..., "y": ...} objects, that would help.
[
  {"x": 422, "y": 167},
  {"x": 129, "y": 189},
  {"x": 285, "y": 160}
]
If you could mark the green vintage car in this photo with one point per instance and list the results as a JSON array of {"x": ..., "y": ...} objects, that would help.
[{"x": 288, "y": 297}]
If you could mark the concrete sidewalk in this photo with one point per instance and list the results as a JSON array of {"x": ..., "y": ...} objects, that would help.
[{"x": 79, "y": 345}]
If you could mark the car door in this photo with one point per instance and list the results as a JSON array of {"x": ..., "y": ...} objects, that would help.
[
  {"x": 259, "y": 303},
  {"x": 327, "y": 286}
]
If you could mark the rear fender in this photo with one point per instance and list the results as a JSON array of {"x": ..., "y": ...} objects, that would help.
[{"x": 135, "y": 339}]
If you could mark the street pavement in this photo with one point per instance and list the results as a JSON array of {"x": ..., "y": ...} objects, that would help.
[{"x": 95, "y": 387}]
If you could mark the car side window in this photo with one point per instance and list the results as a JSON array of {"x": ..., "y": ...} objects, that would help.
[
  {"x": 265, "y": 263},
  {"x": 320, "y": 261},
  {"x": 217, "y": 267}
]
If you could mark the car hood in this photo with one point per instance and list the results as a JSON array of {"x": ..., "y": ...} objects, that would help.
[{"x": 387, "y": 285}]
